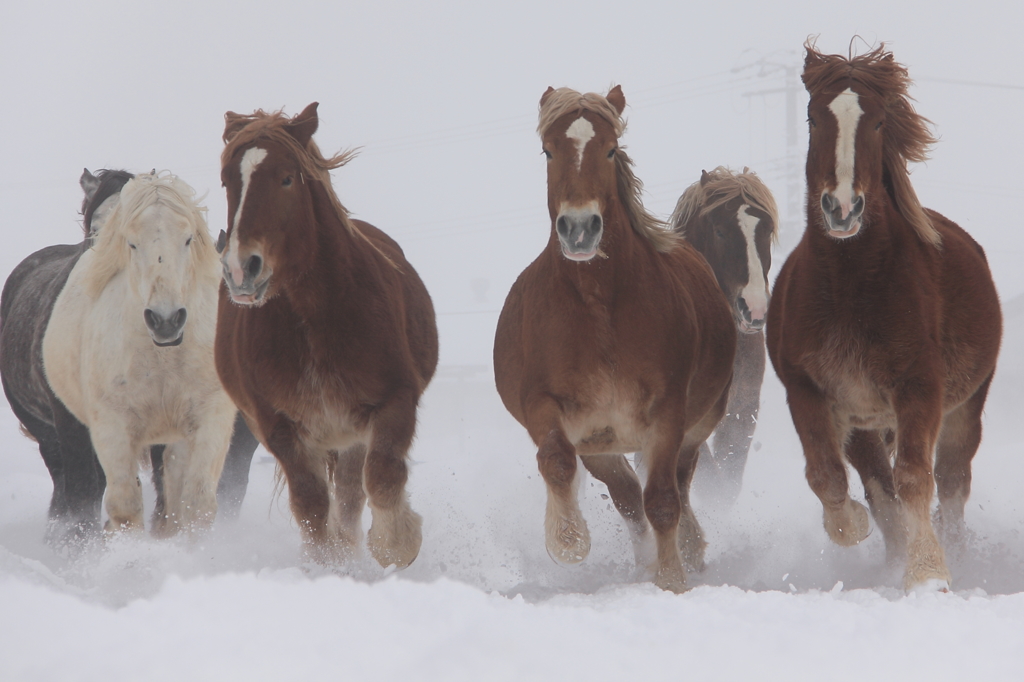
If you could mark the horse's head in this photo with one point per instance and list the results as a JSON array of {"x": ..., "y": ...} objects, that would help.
[
  {"x": 157, "y": 235},
  {"x": 731, "y": 218},
  {"x": 863, "y": 130},
  {"x": 102, "y": 192},
  {"x": 580, "y": 135},
  {"x": 269, "y": 192}
]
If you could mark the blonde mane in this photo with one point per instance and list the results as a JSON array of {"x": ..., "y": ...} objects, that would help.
[
  {"x": 111, "y": 248},
  {"x": 906, "y": 135},
  {"x": 719, "y": 187},
  {"x": 566, "y": 100}
]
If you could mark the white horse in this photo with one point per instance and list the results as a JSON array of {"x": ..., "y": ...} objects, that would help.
[{"x": 119, "y": 353}]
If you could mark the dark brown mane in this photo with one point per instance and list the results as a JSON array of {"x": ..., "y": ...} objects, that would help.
[
  {"x": 244, "y": 129},
  {"x": 907, "y": 137}
]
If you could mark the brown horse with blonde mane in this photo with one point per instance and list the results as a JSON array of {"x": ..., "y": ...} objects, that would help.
[
  {"x": 616, "y": 339},
  {"x": 325, "y": 339},
  {"x": 884, "y": 325},
  {"x": 731, "y": 218}
]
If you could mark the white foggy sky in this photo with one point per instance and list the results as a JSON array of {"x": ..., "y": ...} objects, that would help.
[{"x": 442, "y": 98}]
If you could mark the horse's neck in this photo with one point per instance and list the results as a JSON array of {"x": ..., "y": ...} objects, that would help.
[
  {"x": 322, "y": 284},
  {"x": 875, "y": 252},
  {"x": 618, "y": 255}
]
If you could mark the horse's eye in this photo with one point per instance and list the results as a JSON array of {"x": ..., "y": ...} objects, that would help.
[
  {"x": 188, "y": 241},
  {"x": 547, "y": 153},
  {"x": 718, "y": 233},
  {"x": 810, "y": 121},
  {"x": 879, "y": 126},
  {"x": 287, "y": 182},
  {"x": 131, "y": 245},
  {"x": 611, "y": 152}
]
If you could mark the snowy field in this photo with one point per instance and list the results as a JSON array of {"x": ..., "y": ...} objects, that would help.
[
  {"x": 484, "y": 602},
  {"x": 442, "y": 98}
]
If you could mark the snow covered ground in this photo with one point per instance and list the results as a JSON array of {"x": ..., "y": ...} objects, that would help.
[
  {"x": 483, "y": 601},
  {"x": 442, "y": 97}
]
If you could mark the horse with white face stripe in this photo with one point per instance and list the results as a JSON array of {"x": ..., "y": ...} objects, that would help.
[
  {"x": 884, "y": 324},
  {"x": 325, "y": 339},
  {"x": 614, "y": 340},
  {"x": 731, "y": 218}
]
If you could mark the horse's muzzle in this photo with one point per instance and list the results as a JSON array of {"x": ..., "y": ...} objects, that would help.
[
  {"x": 842, "y": 221},
  {"x": 255, "y": 282},
  {"x": 166, "y": 330},
  {"x": 579, "y": 232}
]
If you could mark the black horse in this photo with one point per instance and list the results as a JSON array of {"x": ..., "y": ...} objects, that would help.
[{"x": 25, "y": 307}]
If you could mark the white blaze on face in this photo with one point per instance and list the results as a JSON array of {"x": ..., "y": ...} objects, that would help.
[
  {"x": 755, "y": 293},
  {"x": 250, "y": 160},
  {"x": 846, "y": 108},
  {"x": 580, "y": 132}
]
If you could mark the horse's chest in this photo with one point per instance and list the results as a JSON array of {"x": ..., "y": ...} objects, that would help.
[
  {"x": 604, "y": 415},
  {"x": 845, "y": 370}
]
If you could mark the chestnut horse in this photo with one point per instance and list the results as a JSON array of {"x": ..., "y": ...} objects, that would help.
[
  {"x": 325, "y": 338},
  {"x": 731, "y": 218},
  {"x": 616, "y": 339},
  {"x": 885, "y": 325}
]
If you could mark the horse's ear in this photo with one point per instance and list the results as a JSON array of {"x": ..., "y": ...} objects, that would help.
[
  {"x": 617, "y": 99},
  {"x": 305, "y": 124},
  {"x": 546, "y": 95},
  {"x": 89, "y": 183},
  {"x": 704, "y": 177},
  {"x": 233, "y": 123}
]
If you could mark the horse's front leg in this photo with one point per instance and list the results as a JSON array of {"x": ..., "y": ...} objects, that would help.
[
  {"x": 663, "y": 503},
  {"x": 919, "y": 418},
  {"x": 846, "y": 520},
  {"x": 565, "y": 531},
  {"x": 118, "y": 454},
  {"x": 396, "y": 530},
  {"x": 204, "y": 462}
]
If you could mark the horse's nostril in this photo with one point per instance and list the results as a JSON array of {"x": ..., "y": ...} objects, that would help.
[
  {"x": 828, "y": 203},
  {"x": 253, "y": 266},
  {"x": 152, "y": 321},
  {"x": 595, "y": 223},
  {"x": 562, "y": 226},
  {"x": 858, "y": 206},
  {"x": 178, "y": 320}
]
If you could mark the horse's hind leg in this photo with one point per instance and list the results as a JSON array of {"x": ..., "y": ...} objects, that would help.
[
  {"x": 627, "y": 494},
  {"x": 396, "y": 531},
  {"x": 83, "y": 477},
  {"x": 351, "y": 497},
  {"x": 957, "y": 445},
  {"x": 870, "y": 457},
  {"x": 235, "y": 478}
]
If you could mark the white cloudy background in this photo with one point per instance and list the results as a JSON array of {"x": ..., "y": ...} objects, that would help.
[{"x": 442, "y": 99}]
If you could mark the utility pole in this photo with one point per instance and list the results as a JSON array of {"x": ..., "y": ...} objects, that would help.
[{"x": 791, "y": 208}]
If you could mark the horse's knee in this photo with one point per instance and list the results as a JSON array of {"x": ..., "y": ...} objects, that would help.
[
  {"x": 385, "y": 477},
  {"x": 556, "y": 458},
  {"x": 663, "y": 507}
]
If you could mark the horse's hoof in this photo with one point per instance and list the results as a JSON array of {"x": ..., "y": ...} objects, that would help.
[
  {"x": 930, "y": 586},
  {"x": 395, "y": 537},
  {"x": 568, "y": 543},
  {"x": 671, "y": 580},
  {"x": 848, "y": 525}
]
